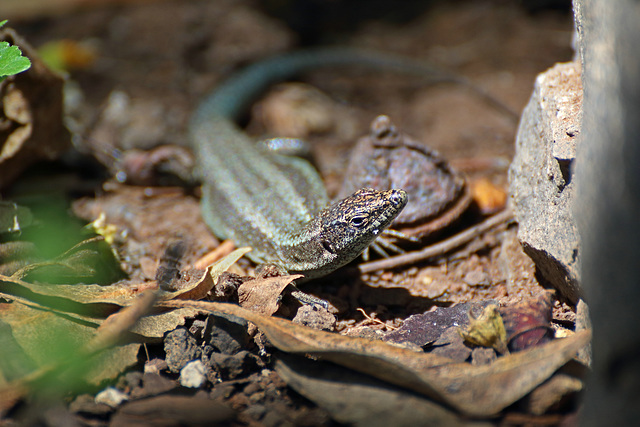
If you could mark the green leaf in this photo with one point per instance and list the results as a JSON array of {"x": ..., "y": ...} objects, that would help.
[{"x": 11, "y": 60}]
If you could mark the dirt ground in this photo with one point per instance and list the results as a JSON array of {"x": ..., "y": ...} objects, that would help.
[{"x": 156, "y": 59}]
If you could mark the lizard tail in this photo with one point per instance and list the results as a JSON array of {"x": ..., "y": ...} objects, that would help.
[{"x": 235, "y": 95}]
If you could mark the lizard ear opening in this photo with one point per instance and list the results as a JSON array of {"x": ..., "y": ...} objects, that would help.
[{"x": 327, "y": 246}]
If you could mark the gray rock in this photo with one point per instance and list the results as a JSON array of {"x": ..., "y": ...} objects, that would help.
[
  {"x": 541, "y": 181},
  {"x": 226, "y": 333},
  {"x": 181, "y": 348},
  {"x": 235, "y": 366}
]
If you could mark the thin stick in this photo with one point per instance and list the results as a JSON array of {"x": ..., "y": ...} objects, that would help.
[{"x": 439, "y": 248}]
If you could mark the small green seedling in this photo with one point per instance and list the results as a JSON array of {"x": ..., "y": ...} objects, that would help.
[{"x": 11, "y": 59}]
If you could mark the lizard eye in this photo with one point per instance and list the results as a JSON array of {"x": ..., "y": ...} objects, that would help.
[{"x": 358, "y": 221}]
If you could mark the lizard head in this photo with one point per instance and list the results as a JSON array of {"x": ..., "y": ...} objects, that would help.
[{"x": 339, "y": 233}]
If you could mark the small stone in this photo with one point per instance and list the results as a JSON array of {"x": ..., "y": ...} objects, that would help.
[
  {"x": 154, "y": 366},
  {"x": 476, "y": 277},
  {"x": 222, "y": 390},
  {"x": 193, "y": 374},
  {"x": 197, "y": 328},
  {"x": 482, "y": 356},
  {"x": 226, "y": 333},
  {"x": 132, "y": 380},
  {"x": 451, "y": 344},
  {"x": 255, "y": 411},
  {"x": 111, "y": 396},
  {"x": 86, "y": 404},
  {"x": 230, "y": 367},
  {"x": 427, "y": 285},
  {"x": 315, "y": 317},
  {"x": 180, "y": 347},
  {"x": 153, "y": 385}
]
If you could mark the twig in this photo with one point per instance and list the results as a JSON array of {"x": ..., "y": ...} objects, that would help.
[{"x": 439, "y": 248}]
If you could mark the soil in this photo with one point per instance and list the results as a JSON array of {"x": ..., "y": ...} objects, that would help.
[{"x": 164, "y": 55}]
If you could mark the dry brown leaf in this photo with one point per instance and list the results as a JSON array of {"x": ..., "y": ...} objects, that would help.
[
  {"x": 528, "y": 323},
  {"x": 486, "y": 330},
  {"x": 171, "y": 410},
  {"x": 91, "y": 300},
  {"x": 264, "y": 295},
  {"x": 154, "y": 326},
  {"x": 97, "y": 301},
  {"x": 223, "y": 249},
  {"x": 474, "y": 390},
  {"x": 192, "y": 284},
  {"x": 360, "y": 400},
  {"x": 113, "y": 327},
  {"x": 198, "y": 289}
]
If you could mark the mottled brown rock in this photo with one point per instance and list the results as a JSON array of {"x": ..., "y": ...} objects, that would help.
[{"x": 31, "y": 109}]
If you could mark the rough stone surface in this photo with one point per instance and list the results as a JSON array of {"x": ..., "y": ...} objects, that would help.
[
  {"x": 226, "y": 333},
  {"x": 181, "y": 348},
  {"x": 231, "y": 367},
  {"x": 541, "y": 178},
  {"x": 315, "y": 317}
]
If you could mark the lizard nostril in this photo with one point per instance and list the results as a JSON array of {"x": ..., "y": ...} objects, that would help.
[{"x": 398, "y": 196}]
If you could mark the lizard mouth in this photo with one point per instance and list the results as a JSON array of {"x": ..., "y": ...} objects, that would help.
[{"x": 398, "y": 198}]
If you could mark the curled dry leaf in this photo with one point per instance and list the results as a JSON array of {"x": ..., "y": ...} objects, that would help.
[
  {"x": 199, "y": 283},
  {"x": 263, "y": 295},
  {"x": 357, "y": 399},
  {"x": 474, "y": 390},
  {"x": 486, "y": 330},
  {"x": 529, "y": 322},
  {"x": 115, "y": 325}
]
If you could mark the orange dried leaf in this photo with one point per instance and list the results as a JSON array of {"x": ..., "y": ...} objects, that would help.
[{"x": 489, "y": 197}]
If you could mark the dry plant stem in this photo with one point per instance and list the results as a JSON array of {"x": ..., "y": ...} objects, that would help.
[
  {"x": 224, "y": 249},
  {"x": 439, "y": 248},
  {"x": 374, "y": 320}
]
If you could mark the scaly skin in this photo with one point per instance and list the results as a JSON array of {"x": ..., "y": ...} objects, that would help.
[{"x": 277, "y": 204}]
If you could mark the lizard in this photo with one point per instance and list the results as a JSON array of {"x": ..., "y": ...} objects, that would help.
[
  {"x": 274, "y": 203},
  {"x": 277, "y": 204}
]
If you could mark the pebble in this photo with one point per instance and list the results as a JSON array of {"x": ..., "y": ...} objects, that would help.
[
  {"x": 193, "y": 374},
  {"x": 111, "y": 396}
]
